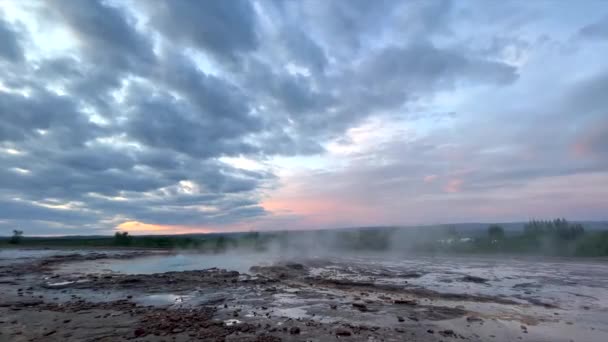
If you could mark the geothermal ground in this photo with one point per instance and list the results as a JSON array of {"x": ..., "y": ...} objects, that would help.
[{"x": 117, "y": 295}]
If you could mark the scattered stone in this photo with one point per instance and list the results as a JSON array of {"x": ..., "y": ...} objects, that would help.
[
  {"x": 294, "y": 266},
  {"x": 49, "y": 333},
  {"x": 294, "y": 330},
  {"x": 410, "y": 275},
  {"x": 139, "y": 332},
  {"x": 447, "y": 333},
  {"x": 360, "y": 306},
  {"x": 474, "y": 279},
  {"x": 526, "y": 285},
  {"x": 267, "y": 338},
  {"x": 343, "y": 332},
  {"x": 474, "y": 319}
]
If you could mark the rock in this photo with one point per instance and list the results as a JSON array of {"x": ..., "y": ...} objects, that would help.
[
  {"x": 474, "y": 279},
  {"x": 294, "y": 266},
  {"x": 430, "y": 331},
  {"x": 474, "y": 319},
  {"x": 360, "y": 306},
  {"x": 267, "y": 338},
  {"x": 49, "y": 333},
  {"x": 294, "y": 330},
  {"x": 405, "y": 302},
  {"x": 139, "y": 332},
  {"x": 333, "y": 306},
  {"x": 447, "y": 333},
  {"x": 129, "y": 281},
  {"x": 343, "y": 332},
  {"x": 410, "y": 275},
  {"x": 400, "y": 319},
  {"x": 526, "y": 285}
]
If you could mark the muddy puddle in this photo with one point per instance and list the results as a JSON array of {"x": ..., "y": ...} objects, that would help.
[{"x": 169, "y": 263}]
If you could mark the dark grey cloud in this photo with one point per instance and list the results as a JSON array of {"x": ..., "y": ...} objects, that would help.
[
  {"x": 410, "y": 71},
  {"x": 423, "y": 66},
  {"x": 24, "y": 116},
  {"x": 106, "y": 34},
  {"x": 10, "y": 44},
  {"x": 596, "y": 30},
  {"x": 167, "y": 123},
  {"x": 303, "y": 50},
  {"x": 110, "y": 46},
  {"x": 24, "y": 211},
  {"x": 224, "y": 28}
]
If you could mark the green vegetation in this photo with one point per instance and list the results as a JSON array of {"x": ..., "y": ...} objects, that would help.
[
  {"x": 16, "y": 238},
  {"x": 123, "y": 239},
  {"x": 556, "y": 237},
  {"x": 208, "y": 242},
  {"x": 496, "y": 232}
]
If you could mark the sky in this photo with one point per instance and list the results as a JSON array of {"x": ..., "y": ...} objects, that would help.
[{"x": 176, "y": 116}]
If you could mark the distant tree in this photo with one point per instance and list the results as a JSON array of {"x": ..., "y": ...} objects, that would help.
[
  {"x": 258, "y": 243},
  {"x": 17, "y": 237},
  {"x": 496, "y": 232},
  {"x": 122, "y": 239},
  {"x": 559, "y": 229},
  {"x": 534, "y": 228},
  {"x": 452, "y": 232},
  {"x": 570, "y": 231},
  {"x": 220, "y": 244}
]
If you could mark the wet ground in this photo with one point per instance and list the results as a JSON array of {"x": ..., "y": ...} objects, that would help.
[{"x": 88, "y": 295}]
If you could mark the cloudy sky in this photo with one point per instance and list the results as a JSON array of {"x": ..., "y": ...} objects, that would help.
[{"x": 175, "y": 116}]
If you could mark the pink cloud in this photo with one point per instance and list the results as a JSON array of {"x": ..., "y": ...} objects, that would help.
[
  {"x": 454, "y": 185},
  {"x": 137, "y": 227},
  {"x": 430, "y": 178},
  {"x": 591, "y": 142}
]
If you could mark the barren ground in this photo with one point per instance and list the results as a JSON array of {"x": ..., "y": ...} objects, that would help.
[{"x": 59, "y": 295}]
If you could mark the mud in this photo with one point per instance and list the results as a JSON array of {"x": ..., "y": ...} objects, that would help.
[{"x": 51, "y": 297}]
